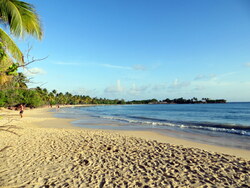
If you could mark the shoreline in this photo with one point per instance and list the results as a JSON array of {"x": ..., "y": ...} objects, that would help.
[
  {"x": 49, "y": 151},
  {"x": 50, "y": 121},
  {"x": 173, "y": 136}
]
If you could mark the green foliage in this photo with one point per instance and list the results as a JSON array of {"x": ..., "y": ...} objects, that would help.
[
  {"x": 194, "y": 100},
  {"x": 2, "y": 99},
  {"x": 32, "y": 98},
  {"x": 13, "y": 97},
  {"x": 149, "y": 101},
  {"x": 12, "y": 70},
  {"x": 39, "y": 97}
]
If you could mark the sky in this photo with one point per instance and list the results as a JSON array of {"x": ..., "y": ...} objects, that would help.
[{"x": 143, "y": 49}]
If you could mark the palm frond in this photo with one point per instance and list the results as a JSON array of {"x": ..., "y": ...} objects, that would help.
[
  {"x": 11, "y": 47},
  {"x": 30, "y": 20},
  {"x": 21, "y": 17},
  {"x": 10, "y": 14}
]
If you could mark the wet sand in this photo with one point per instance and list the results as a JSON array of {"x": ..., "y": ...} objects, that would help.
[{"x": 42, "y": 151}]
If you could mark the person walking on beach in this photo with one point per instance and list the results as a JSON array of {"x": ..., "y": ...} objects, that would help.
[{"x": 21, "y": 110}]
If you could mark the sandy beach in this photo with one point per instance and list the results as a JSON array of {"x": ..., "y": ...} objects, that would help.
[{"x": 42, "y": 151}]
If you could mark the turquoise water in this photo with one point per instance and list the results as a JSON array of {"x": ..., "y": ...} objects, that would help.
[{"x": 220, "y": 124}]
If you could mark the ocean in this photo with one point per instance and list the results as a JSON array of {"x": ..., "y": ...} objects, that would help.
[{"x": 225, "y": 124}]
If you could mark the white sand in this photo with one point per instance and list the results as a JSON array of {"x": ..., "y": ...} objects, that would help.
[{"x": 68, "y": 157}]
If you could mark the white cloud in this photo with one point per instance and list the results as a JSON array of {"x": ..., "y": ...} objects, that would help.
[
  {"x": 115, "y": 66},
  {"x": 134, "y": 67},
  {"x": 205, "y": 77},
  {"x": 118, "y": 90},
  {"x": 34, "y": 71},
  {"x": 115, "y": 88},
  {"x": 106, "y": 65},
  {"x": 134, "y": 90},
  {"x": 179, "y": 84},
  {"x": 66, "y": 63},
  {"x": 178, "y": 88}
]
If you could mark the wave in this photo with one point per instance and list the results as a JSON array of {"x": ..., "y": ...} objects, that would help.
[{"x": 206, "y": 126}]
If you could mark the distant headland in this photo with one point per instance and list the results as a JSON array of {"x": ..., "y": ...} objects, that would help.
[{"x": 181, "y": 100}]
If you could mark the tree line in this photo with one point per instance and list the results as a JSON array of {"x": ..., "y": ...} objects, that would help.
[
  {"x": 38, "y": 97},
  {"x": 193, "y": 100}
]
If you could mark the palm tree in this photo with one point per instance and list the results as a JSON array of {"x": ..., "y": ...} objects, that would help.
[
  {"x": 21, "y": 19},
  {"x": 20, "y": 81},
  {"x": 54, "y": 92}
]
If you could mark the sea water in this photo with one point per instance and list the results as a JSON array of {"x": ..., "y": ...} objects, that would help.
[{"x": 226, "y": 124}]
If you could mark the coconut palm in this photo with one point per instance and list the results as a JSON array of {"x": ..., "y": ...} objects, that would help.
[{"x": 21, "y": 19}]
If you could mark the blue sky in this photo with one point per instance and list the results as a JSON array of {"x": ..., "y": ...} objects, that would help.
[{"x": 144, "y": 49}]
